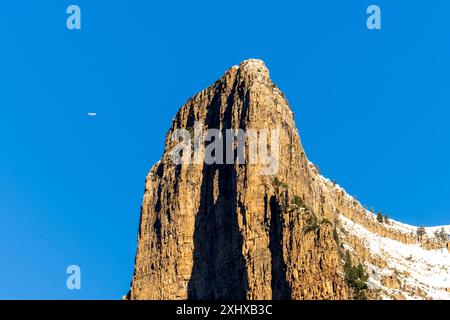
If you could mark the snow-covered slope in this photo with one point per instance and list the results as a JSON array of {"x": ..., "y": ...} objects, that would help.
[
  {"x": 399, "y": 265},
  {"x": 425, "y": 271},
  {"x": 406, "y": 228}
]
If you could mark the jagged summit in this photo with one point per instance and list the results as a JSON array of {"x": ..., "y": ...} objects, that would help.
[
  {"x": 250, "y": 70},
  {"x": 220, "y": 230},
  {"x": 248, "y": 80},
  {"x": 257, "y": 63},
  {"x": 254, "y": 66},
  {"x": 253, "y": 71}
]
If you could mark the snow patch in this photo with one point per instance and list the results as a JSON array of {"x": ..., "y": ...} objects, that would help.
[{"x": 428, "y": 270}]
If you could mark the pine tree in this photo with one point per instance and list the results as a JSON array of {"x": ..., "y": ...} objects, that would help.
[
  {"x": 386, "y": 218},
  {"x": 380, "y": 217},
  {"x": 421, "y": 232},
  {"x": 348, "y": 262},
  {"x": 356, "y": 277},
  {"x": 437, "y": 235},
  {"x": 441, "y": 235},
  {"x": 444, "y": 235}
]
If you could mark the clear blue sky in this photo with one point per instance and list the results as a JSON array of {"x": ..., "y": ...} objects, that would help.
[{"x": 372, "y": 107}]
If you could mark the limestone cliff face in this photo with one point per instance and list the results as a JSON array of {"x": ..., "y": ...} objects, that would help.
[
  {"x": 232, "y": 231},
  {"x": 266, "y": 230}
]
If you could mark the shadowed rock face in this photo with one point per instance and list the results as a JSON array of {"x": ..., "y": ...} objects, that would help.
[{"x": 229, "y": 231}]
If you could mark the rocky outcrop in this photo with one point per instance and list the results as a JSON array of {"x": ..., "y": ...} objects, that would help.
[
  {"x": 232, "y": 231},
  {"x": 261, "y": 229}
]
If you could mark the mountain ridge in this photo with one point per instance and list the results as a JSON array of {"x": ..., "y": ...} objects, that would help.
[{"x": 232, "y": 231}]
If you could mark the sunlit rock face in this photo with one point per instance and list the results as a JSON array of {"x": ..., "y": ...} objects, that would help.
[{"x": 252, "y": 230}]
